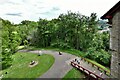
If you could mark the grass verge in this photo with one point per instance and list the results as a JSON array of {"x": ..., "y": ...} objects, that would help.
[
  {"x": 99, "y": 65},
  {"x": 74, "y": 74}
]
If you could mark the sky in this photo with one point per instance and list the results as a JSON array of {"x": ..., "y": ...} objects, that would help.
[{"x": 19, "y": 10}]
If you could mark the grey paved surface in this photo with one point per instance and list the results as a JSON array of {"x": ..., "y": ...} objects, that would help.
[{"x": 62, "y": 64}]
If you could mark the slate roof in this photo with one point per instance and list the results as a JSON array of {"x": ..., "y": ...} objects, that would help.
[{"x": 112, "y": 11}]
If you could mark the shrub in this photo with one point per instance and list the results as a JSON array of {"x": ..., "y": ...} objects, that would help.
[
  {"x": 100, "y": 56},
  {"x": 103, "y": 58},
  {"x": 6, "y": 59},
  {"x": 90, "y": 53}
]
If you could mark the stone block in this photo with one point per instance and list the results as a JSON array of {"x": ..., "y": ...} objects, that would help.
[
  {"x": 114, "y": 65},
  {"x": 114, "y": 44}
]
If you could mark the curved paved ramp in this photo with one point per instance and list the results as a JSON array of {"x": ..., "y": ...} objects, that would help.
[{"x": 60, "y": 66}]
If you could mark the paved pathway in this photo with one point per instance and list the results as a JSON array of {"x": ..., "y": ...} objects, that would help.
[{"x": 62, "y": 64}]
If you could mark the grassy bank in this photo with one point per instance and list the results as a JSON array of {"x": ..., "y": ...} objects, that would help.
[{"x": 74, "y": 74}]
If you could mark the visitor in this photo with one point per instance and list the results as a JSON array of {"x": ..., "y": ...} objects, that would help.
[
  {"x": 78, "y": 61},
  {"x": 75, "y": 59},
  {"x": 39, "y": 53},
  {"x": 32, "y": 62},
  {"x": 60, "y": 53}
]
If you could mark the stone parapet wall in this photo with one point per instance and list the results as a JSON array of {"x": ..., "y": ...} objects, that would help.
[{"x": 119, "y": 47}]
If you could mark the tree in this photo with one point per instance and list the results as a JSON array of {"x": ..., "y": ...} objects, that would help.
[
  {"x": 10, "y": 40},
  {"x": 26, "y": 30}
]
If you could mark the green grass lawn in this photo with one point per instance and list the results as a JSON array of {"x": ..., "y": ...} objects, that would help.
[
  {"x": 21, "y": 69},
  {"x": 74, "y": 74}
]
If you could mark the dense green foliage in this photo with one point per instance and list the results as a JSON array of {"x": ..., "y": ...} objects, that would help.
[
  {"x": 99, "y": 49},
  {"x": 68, "y": 31},
  {"x": 71, "y": 30},
  {"x": 10, "y": 40},
  {"x": 26, "y": 29},
  {"x": 21, "y": 69},
  {"x": 12, "y": 37}
]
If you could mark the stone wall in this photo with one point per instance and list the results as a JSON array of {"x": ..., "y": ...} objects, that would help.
[{"x": 115, "y": 46}]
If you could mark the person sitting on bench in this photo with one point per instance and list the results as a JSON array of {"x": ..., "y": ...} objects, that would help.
[{"x": 32, "y": 62}]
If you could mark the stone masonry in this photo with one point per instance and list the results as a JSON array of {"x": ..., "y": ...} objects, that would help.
[{"x": 115, "y": 46}]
